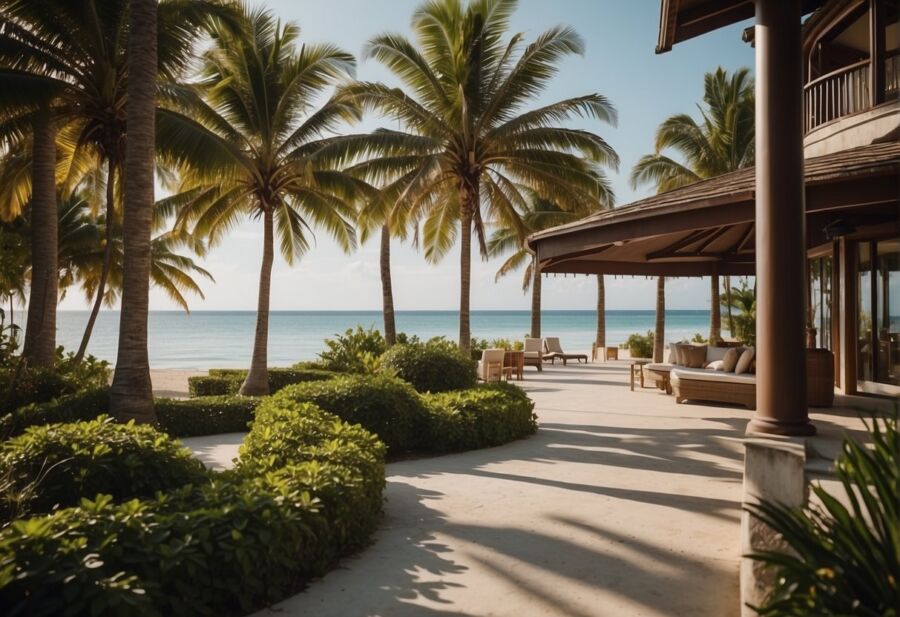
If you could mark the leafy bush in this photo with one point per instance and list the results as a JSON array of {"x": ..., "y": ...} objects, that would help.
[
  {"x": 478, "y": 345},
  {"x": 353, "y": 351},
  {"x": 483, "y": 416},
  {"x": 840, "y": 560},
  {"x": 432, "y": 367},
  {"x": 24, "y": 386},
  {"x": 64, "y": 462},
  {"x": 227, "y": 548},
  {"x": 84, "y": 405},
  {"x": 640, "y": 345},
  {"x": 228, "y": 381},
  {"x": 387, "y": 406},
  {"x": 207, "y": 415}
]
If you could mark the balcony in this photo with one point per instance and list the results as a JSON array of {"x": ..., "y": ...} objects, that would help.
[{"x": 847, "y": 91}]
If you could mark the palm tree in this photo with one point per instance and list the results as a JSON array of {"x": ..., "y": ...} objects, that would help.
[
  {"x": 77, "y": 52},
  {"x": 82, "y": 258},
  {"x": 466, "y": 147},
  {"x": 249, "y": 147},
  {"x": 541, "y": 214},
  {"x": 659, "y": 335},
  {"x": 722, "y": 142},
  {"x": 131, "y": 395},
  {"x": 600, "y": 338}
]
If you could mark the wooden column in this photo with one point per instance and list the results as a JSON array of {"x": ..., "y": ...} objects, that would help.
[
  {"x": 876, "y": 51},
  {"x": 780, "y": 223}
]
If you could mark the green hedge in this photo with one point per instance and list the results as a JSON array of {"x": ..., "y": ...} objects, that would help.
[
  {"x": 229, "y": 381},
  {"x": 54, "y": 466},
  {"x": 84, "y": 405},
  {"x": 207, "y": 415},
  {"x": 430, "y": 367},
  {"x": 480, "y": 417},
  {"x": 387, "y": 406},
  {"x": 246, "y": 540}
]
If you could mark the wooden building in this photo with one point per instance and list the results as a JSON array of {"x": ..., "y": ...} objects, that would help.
[{"x": 817, "y": 221}]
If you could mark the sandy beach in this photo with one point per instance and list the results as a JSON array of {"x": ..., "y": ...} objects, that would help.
[{"x": 172, "y": 382}]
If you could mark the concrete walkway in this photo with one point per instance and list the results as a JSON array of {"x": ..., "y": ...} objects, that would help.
[{"x": 624, "y": 503}]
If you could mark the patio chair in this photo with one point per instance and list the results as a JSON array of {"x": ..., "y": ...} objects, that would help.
[
  {"x": 534, "y": 353},
  {"x": 490, "y": 367},
  {"x": 555, "y": 351}
]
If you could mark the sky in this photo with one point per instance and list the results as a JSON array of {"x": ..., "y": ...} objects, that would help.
[{"x": 619, "y": 62}]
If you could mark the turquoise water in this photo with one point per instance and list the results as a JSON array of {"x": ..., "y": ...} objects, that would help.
[{"x": 207, "y": 339}]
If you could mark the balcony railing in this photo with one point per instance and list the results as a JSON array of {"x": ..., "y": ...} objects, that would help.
[
  {"x": 838, "y": 93},
  {"x": 892, "y": 76}
]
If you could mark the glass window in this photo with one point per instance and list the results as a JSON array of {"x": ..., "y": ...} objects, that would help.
[
  {"x": 887, "y": 311},
  {"x": 864, "y": 311}
]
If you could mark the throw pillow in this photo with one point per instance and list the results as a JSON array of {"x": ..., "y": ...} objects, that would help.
[
  {"x": 680, "y": 358},
  {"x": 745, "y": 361},
  {"x": 715, "y": 365},
  {"x": 714, "y": 353},
  {"x": 694, "y": 356},
  {"x": 730, "y": 360}
]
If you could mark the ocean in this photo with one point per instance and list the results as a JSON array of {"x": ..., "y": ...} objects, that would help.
[{"x": 208, "y": 339}]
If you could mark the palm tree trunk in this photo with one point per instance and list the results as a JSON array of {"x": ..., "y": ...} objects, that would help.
[
  {"x": 387, "y": 292},
  {"x": 535, "y": 298},
  {"x": 131, "y": 395},
  {"x": 40, "y": 328},
  {"x": 659, "y": 337},
  {"x": 715, "y": 312},
  {"x": 465, "y": 273},
  {"x": 257, "y": 382},
  {"x": 601, "y": 312},
  {"x": 728, "y": 315},
  {"x": 107, "y": 262}
]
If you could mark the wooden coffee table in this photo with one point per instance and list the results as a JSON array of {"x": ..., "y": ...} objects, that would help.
[
  {"x": 514, "y": 364},
  {"x": 639, "y": 365}
]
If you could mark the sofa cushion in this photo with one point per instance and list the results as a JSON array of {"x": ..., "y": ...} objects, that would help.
[
  {"x": 743, "y": 364},
  {"x": 693, "y": 356},
  {"x": 680, "y": 373},
  {"x": 714, "y": 353},
  {"x": 679, "y": 353},
  {"x": 715, "y": 365},
  {"x": 731, "y": 359}
]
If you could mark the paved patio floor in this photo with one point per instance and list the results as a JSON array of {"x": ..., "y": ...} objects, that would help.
[{"x": 623, "y": 503}]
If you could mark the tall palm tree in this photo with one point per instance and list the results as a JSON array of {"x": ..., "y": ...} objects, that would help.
[
  {"x": 466, "y": 145},
  {"x": 659, "y": 335},
  {"x": 82, "y": 259},
  {"x": 722, "y": 142},
  {"x": 77, "y": 51},
  {"x": 249, "y": 147},
  {"x": 131, "y": 395},
  {"x": 600, "y": 338},
  {"x": 541, "y": 214}
]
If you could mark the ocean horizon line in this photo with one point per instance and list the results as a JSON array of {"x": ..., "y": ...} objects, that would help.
[{"x": 253, "y": 311}]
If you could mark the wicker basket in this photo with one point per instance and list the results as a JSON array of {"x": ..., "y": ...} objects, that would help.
[{"x": 819, "y": 378}]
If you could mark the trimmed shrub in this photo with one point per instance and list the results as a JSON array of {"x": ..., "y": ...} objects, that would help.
[
  {"x": 56, "y": 465},
  {"x": 352, "y": 351},
  {"x": 228, "y": 381},
  {"x": 430, "y": 367},
  {"x": 640, "y": 345},
  {"x": 480, "y": 417},
  {"x": 207, "y": 415},
  {"x": 226, "y": 548},
  {"x": 80, "y": 406},
  {"x": 40, "y": 385},
  {"x": 387, "y": 406}
]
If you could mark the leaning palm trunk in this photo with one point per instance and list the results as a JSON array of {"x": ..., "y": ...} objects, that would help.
[
  {"x": 257, "y": 382},
  {"x": 601, "y": 312},
  {"x": 660, "y": 334},
  {"x": 40, "y": 328},
  {"x": 465, "y": 269},
  {"x": 728, "y": 315},
  {"x": 387, "y": 292},
  {"x": 535, "y": 298},
  {"x": 715, "y": 312},
  {"x": 131, "y": 395},
  {"x": 107, "y": 263}
]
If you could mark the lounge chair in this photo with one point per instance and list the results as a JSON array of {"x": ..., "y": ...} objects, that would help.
[
  {"x": 554, "y": 351},
  {"x": 534, "y": 353},
  {"x": 490, "y": 367}
]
